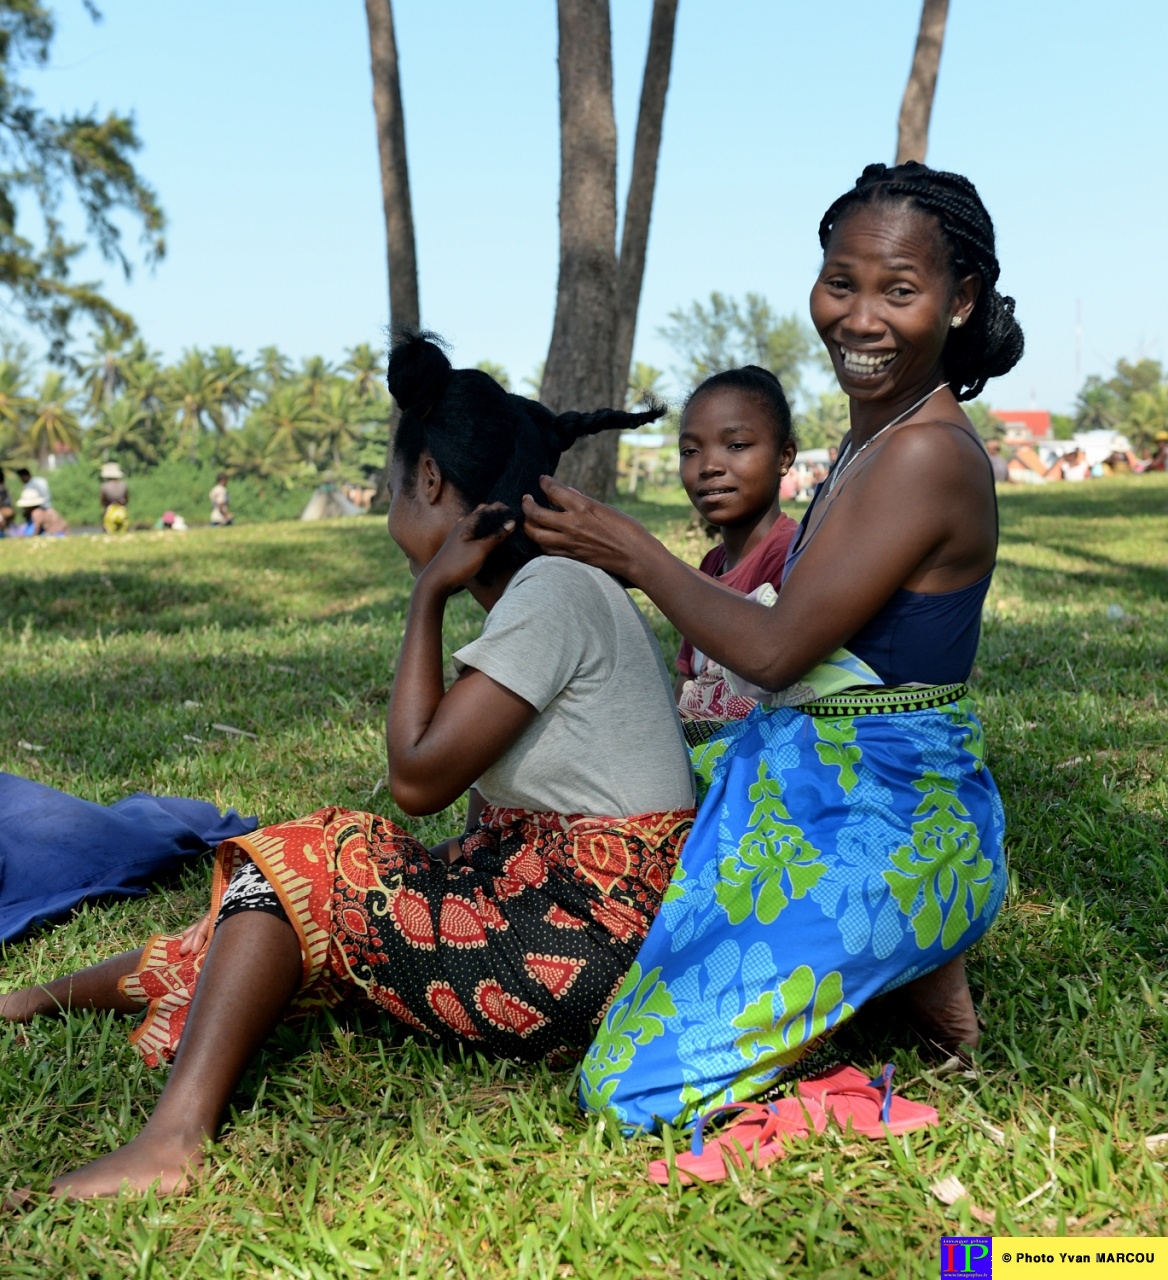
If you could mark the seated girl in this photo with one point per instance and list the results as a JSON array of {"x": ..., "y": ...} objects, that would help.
[
  {"x": 736, "y": 445},
  {"x": 561, "y": 718}
]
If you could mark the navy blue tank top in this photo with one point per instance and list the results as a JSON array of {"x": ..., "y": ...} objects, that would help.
[{"x": 916, "y": 637}]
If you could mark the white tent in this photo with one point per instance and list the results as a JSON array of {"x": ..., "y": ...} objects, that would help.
[{"x": 328, "y": 503}]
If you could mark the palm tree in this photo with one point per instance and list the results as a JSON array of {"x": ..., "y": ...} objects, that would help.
[
  {"x": 1097, "y": 406},
  {"x": 125, "y": 426},
  {"x": 102, "y": 369},
  {"x": 15, "y": 406},
  {"x": 287, "y": 420},
  {"x": 366, "y": 366},
  {"x": 273, "y": 368},
  {"x": 235, "y": 379},
  {"x": 912, "y": 140},
  {"x": 341, "y": 416},
  {"x": 255, "y": 450},
  {"x": 630, "y": 271},
  {"x": 146, "y": 383},
  {"x": 315, "y": 374},
  {"x": 597, "y": 292},
  {"x": 401, "y": 250},
  {"x": 54, "y": 428},
  {"x": 193, "y": 398},
  {"x": 1147, "y": 416},
  {"x": 579, "y": 365}
]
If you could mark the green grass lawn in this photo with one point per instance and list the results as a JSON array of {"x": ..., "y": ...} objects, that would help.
[{"x": 352, "y": 1150}]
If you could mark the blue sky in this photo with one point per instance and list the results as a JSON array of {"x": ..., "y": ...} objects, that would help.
[{"x": 258, "y": 132}]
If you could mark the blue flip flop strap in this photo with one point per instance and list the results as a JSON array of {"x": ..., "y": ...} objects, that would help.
[
  {"x": 884, "y": 1081},
  {"x": 697, "y": 1145}
]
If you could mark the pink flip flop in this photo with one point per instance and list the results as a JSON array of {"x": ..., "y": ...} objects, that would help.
[
  {"x": 869, "y": 1106},
  {"x": 756, "y": 1139}
]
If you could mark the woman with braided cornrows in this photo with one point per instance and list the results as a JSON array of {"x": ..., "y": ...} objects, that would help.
[
  {"x": 849, "y": 837},
  {"x": 511, "y": 938}
]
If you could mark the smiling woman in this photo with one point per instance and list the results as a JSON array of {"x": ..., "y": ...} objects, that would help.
[{"x": 849, "y": 837}]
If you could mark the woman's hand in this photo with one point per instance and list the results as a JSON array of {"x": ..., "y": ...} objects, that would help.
[
  {"x": 583, "y": 529},
  {"x": 464, "y": 552},
  {"x": 194, "y": 937}
]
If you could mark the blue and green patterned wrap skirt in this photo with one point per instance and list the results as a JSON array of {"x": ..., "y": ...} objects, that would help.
[{"x": 841, "y": 848}]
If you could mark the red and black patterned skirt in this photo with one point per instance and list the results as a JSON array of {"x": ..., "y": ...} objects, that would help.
[{"x": 517, "y": 948}]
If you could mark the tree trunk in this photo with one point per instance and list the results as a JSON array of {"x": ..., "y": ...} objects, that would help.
[
  {"x": 578, "y": 372},
  {"x": 642, "y": 183},
  {"x": 912, "y": 141},
  {"x": 404, "y": 311}
]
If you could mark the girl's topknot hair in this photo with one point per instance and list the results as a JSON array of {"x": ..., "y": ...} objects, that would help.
[
  {"x": 491, "y": 445},
  {"x": 991, "y": 342},
  {"x": 762, "y": 386}
]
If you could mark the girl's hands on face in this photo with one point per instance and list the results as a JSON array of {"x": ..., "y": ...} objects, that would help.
[
  {"x": 582, "y": 529},
  {"x": 463, "y": 554}
]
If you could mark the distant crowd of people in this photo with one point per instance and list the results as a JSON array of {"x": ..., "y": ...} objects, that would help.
[
  {"x": 1024, "y": 465},
  {"x": 31, "y": 513}
]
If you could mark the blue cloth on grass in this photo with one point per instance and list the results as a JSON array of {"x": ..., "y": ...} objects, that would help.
[{"x": 57, "y": 851}]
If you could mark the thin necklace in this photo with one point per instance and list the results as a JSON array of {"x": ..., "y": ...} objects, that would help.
[{"x": 849, "y": 457}]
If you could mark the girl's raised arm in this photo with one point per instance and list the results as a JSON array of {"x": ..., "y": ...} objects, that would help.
[{"x": 439, "y": 741}]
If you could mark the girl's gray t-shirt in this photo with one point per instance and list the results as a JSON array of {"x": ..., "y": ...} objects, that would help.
[{"x": 607, "y": 740}]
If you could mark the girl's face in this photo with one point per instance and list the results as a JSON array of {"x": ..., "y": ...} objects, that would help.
[
  {"x": 885, "y": 301},
  {"x": 421, "y": 514},
  {"x": 731, "y": 459}
]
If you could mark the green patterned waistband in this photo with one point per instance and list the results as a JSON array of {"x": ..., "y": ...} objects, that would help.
[
  {"x": 851, "y": 702},
  {"x": 881, "y": 702}
]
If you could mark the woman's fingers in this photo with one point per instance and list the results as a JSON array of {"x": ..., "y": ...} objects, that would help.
[
  {"x": 195, "y": 936},
  {"x": 564, "y": 496}
]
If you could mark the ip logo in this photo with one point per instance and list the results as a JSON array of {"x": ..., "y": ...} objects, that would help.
[{"x": 967, "y": 1258}]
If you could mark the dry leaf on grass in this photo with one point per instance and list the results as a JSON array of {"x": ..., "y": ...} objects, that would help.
[
  {"x": 28, "y": 746},
  {"x": 1069, "y": 764},
  {"x": 949, "y": 1190},
  {"x": 1156, "y": 1142},
  {"x": 237, "y": 733},
  {"x": 993, "y": 1132}
]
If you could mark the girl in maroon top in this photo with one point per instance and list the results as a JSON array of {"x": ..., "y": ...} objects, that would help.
[{"x": 736, "y": 445}]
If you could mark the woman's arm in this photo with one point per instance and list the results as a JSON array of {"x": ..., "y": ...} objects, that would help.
[
  {"x": 917, "y": 506},
  {"x": 439, "y": 741}
]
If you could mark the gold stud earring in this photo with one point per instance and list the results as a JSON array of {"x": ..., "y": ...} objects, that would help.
[{"x": 956, "y": 322}]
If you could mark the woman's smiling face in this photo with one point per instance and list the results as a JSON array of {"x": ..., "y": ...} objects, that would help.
[{"x": 885, "y": 301}]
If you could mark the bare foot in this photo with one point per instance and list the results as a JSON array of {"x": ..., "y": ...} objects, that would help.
[
  {"x": 940, "y": 1007},
  {"x": 167, "y": 1163},
  {"x": 17, "y": 1200},
  {"x": 25, "y": 1004}
]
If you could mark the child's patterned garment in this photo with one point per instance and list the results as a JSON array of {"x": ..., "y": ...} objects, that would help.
[{"x": 841, "y": 849}]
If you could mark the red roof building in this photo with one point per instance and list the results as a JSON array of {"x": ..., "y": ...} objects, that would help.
[{"x": 1028, "y": 424}]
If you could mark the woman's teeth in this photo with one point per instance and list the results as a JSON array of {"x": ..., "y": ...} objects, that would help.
[{"x": 857, "y": 362}]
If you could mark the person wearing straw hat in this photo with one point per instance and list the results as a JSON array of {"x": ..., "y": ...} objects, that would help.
[
  {"x": 39, "y": 518},
  {"x": 115, "y": 497},
  {"x": 39, "y": 483}
]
